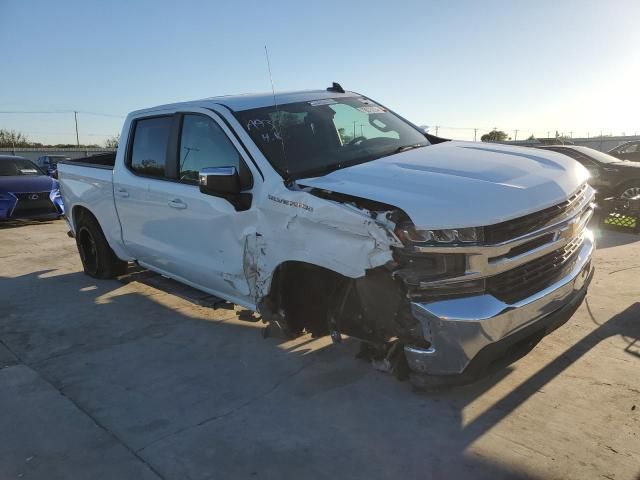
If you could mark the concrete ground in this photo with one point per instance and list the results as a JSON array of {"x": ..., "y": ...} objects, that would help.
[{"x": 136, "y": 379}]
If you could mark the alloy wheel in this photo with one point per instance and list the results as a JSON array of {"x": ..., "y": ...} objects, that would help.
[{"x": 631, "y": 192}]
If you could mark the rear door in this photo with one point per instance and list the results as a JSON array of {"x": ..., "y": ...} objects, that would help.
[{"x": 145, "y": 171}]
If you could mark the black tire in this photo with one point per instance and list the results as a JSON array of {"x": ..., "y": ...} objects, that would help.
[{"x": 98, "y": 260}]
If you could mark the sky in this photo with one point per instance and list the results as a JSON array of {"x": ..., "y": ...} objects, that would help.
[{"x": 538, "y": 67}]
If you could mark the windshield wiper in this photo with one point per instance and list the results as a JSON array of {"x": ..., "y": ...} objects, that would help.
[{"x": 405, "y": 148}]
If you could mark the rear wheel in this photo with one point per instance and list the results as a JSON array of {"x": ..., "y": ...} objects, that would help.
[{"x": 98, "y": 260}]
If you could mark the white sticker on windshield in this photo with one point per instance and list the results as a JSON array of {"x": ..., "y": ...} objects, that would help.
[
  {"x": 372, "y": 109},
  {"x": 27, "y": 170},
  {"x": 326, "y": 101}
]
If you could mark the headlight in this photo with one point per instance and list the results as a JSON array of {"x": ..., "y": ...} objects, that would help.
[{"x": 409, "y": 235}]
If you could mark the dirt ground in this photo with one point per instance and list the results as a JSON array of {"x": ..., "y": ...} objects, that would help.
[{"x": 142, "y": 379}]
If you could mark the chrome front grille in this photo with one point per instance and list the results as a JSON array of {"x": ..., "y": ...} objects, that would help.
[
  {"x": 525, "y": 280},
  {"x": 535, "y": 250},
  {"x": 505, "y": 231}
]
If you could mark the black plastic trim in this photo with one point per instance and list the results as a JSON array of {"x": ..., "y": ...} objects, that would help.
[{"x": 171, "y": 168}]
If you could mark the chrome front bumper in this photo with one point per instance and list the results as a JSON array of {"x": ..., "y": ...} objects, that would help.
[{"x": 458, "y": 329}]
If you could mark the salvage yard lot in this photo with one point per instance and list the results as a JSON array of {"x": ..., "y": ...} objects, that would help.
[{"x": 128, "y": 379}]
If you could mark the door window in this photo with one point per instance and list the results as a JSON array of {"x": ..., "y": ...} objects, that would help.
[
  {"x": 203, "y": 144},
  {"x": 149, "y": 150},
  {"x": 633, "y": 148}
]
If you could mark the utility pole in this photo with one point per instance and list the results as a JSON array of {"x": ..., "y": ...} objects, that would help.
[
  {"x": 570, "y": 134},
  {"x": 475, "y": 134},
  {"x": 354, "y": 129},
  {"x": 75, "y": 115},
  {"x": 548, "y": 134},
  {"x": 600, "y": 148},
  {"x": 515, "y": 137},
  {"x": 436, "y": 130}
]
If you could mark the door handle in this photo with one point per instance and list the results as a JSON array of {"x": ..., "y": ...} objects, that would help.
[
  {"x": 177, "y": 203},
  {"x": 121, "y": 192}
]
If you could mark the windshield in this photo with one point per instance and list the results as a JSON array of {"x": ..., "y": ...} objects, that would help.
[
  {"x": 313, "y": 138},
  {"x": 599, "y": 156},
  {"x": 583, "y": 154},
  {"x": 13, "y": 167}
]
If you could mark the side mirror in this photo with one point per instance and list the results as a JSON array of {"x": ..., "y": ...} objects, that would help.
[{"x": 219, "y": 181}]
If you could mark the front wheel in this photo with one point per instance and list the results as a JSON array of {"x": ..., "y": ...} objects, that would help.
[
  {"x": 630, "y": 191},
  {"x": 98, "y": 260}
]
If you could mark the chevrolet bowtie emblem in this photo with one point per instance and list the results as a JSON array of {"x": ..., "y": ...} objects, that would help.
[{"x": 570, "y": 231}]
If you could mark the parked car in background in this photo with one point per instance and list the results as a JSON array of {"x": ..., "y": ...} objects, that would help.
[
  {"x": 610, "y": 176},
  {"x": 627, "y": 151},
  {"x": 49, "y": 164},
  {"x": 442, "y": 256},
  {"x": 26, "y": 192}
]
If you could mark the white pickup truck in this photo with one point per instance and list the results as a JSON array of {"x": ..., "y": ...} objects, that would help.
[{"x": 326, "y": 212}]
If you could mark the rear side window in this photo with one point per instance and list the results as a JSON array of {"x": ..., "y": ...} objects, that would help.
[{"x": 149, "y": 150}]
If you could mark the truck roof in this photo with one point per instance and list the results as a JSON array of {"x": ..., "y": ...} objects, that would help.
[{"x": 254, "y": 100}]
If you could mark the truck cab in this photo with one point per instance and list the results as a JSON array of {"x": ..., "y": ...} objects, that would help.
[{"x": 328, "y": 213}]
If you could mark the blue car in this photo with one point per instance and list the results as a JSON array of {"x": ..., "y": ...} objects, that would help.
[{"x": 26, "y": 192}]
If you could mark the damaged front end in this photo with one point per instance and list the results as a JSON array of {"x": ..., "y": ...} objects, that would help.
[
  {"x": 373, "y": 306},
  {"x": 446, "y": 303}
]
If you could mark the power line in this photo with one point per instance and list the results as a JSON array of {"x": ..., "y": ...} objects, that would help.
[
  {"x": 113, "y": 115},
  {"x": 58, "y": 112}
]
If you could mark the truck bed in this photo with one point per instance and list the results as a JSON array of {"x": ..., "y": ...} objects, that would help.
[
  {"x": 101, "y": 160},
  {"x": 88, "y": 183}
]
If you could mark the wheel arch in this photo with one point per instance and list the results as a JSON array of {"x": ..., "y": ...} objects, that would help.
[
  {"x": 80, "y": 210},
  {"x": 300, "y": 294}
]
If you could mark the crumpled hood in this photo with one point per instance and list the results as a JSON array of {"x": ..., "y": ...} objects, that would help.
[
  {"x": 27, "y": 183},
  {"x": 461, "y": 184}
]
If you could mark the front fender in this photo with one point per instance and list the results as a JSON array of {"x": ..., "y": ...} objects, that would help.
[{"x": 297, "y": 226}]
